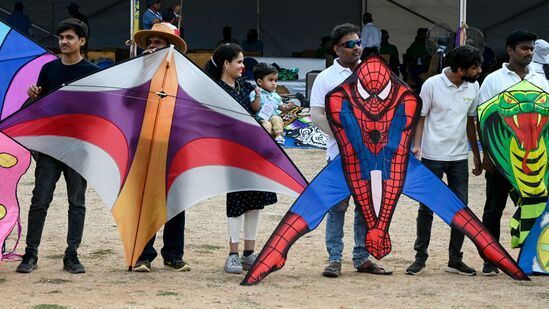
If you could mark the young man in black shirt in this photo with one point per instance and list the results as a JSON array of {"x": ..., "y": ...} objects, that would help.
[{"x": 73, "y": 35}]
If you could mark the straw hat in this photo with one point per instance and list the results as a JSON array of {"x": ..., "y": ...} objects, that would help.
[{"x": 164, "y": 31}]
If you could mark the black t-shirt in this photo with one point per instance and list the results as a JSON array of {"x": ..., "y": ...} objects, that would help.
[{"x": 55, "y": 73}]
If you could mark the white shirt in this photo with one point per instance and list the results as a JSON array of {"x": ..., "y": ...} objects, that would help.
[
  {"x": 504, "y": 78},
  {"x": 327, "y": 80},
  {"x": 370, "y": 36},
  {"x": 446, "y": 108},
  {"x": 538, "y": 68}
]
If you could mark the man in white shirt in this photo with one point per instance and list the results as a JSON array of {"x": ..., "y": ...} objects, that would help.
[
  {"x": 447, "y": 121},
  {"x": 370, "y": 36},
  {"x": 347, "y": 47},
  {"x": 520, "y": 48}
]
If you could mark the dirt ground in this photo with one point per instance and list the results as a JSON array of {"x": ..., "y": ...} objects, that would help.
[{"x": 108, "y": 284}]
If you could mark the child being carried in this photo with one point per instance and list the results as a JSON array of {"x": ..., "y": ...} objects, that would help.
[{"x": 266, "y": 77}]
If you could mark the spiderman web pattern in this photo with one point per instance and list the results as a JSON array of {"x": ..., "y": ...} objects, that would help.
[{"x": 372, "y": 117}]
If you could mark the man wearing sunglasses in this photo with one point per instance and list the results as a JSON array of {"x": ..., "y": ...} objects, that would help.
[{"x": 346, "y": 45}]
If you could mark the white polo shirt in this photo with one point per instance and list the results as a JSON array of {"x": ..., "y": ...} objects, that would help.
[
  {"x": 504, "y": 78},
  {"x": 537, "y": 67},
  {"x": 446, "y": 107},
  {"x": 327, "y": 80}
]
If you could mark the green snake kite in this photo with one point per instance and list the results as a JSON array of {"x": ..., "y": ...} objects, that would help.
[{"x": 514, "y": 132}]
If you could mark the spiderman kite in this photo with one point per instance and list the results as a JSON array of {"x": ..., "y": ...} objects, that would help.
[{"x": 373, "y": 116}]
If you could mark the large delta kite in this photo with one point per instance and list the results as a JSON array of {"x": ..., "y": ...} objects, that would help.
[
  {"x": 514, "y": 132},
  {"x": 373, "y": 116},
  {"x": 154, "y": 135}
]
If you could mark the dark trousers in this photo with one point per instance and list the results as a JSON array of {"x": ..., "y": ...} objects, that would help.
[
  {"x": 457, "y": 173},
  {"x": 174, "y": 239},
  {"x": 47, "y": 173},
  {"x": 497, "y": 190}
]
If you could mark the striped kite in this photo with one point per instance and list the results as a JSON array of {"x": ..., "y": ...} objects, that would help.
[
  {"x": 154, "y": 135},
  {"x": 20, "y": 62}
]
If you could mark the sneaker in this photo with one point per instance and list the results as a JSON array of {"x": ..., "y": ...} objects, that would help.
[
  {"x": 177, "y": 264},
  {"x": 73, "y": 265},
  {"x": 280, "y": 140},
  {"x": 416, "y": 268},
  {"x": 248, "y": 261},
  {"x": 28, "y": 263},
  {"x": 333, "y": 270},
  {"x": 233, "y": 265},
  {"x": 461, "y": 268},
  {"x": 142, "y": 267},
  {"x": 490, "y": 269}
]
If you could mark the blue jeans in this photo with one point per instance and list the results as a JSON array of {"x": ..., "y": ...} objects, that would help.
[
  {"x": 334, "y": 234},
  {"x": 457, "y": 173}
]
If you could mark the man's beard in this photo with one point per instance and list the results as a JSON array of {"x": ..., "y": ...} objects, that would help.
[{"x": 470, "y": 79}]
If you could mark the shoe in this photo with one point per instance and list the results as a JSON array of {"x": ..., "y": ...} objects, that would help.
[
  {"x": 142, "y": 267},
  {"x": 248, "y": 261},
  {"x": 416, "y": 268},
  {"x": 372, "y": 268},
  {"x": 461, "y": 268},
  {"x": 28, "y": 263},
  {"x": 233, "y": 265},
  {"x": 280, "y": 140},
  {"x": 333, "y": 270},
  {"x": 490, "y": 269},
  {"x": 73, "y": 265},
  {"x": 177, "y": 264}
]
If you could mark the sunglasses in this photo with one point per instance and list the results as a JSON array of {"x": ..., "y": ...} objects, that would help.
[{"x": 350, "y": 44}]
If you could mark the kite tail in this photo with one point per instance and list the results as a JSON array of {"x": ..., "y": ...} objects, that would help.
[
  {"x": 273, "y": 255},
  {"x": 488, "y": 247}
]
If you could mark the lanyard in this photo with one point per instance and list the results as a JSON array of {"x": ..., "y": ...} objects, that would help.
[{"x": 156, "y": 14}]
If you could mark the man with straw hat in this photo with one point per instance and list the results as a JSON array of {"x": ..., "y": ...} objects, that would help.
[{"x": 161, "y": 36}]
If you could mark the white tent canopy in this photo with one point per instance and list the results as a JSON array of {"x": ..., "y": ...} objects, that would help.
[{"x": 293, "y": 25}]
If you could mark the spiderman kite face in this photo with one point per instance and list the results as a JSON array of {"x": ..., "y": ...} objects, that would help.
[{"x": 374, "y": 87}]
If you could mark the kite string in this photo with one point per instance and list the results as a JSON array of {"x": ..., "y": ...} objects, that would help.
[{"x": 178, "y": 99}]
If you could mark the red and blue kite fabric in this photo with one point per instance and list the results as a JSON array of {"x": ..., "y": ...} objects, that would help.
[
  {"x": 20, "y": 62},
  {"x": 14, "y": 162},
  {"x": 514, "y": 132},
  {"x": 154, "y": 135},
  {"x": 373, "y": 116}
]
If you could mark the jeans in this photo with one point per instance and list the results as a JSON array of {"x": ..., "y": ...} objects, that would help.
[
  {"x": 334, "y": 234},
  {"x": 497, "y": 190},
  {"x": 174, "y": 239},
  {"x": 457, "y": 173},
  {"x": 47, "y": 173}
]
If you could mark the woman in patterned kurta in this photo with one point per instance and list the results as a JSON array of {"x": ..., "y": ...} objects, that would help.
[{"x": 226, "y": 67}]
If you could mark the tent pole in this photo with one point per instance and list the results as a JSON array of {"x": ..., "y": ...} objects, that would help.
[
  {"x": 132, "y": 9},
  {"x": 462, "y": 13},
  {"x": 258, "y": 26},
  {"x": 134, "y": 26},
  {"x": 179, "y": 19}
]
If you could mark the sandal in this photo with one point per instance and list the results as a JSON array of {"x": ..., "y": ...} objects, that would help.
[
  {"x": 372, "y": 268},
  {"x": 333, "y": 270}
]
